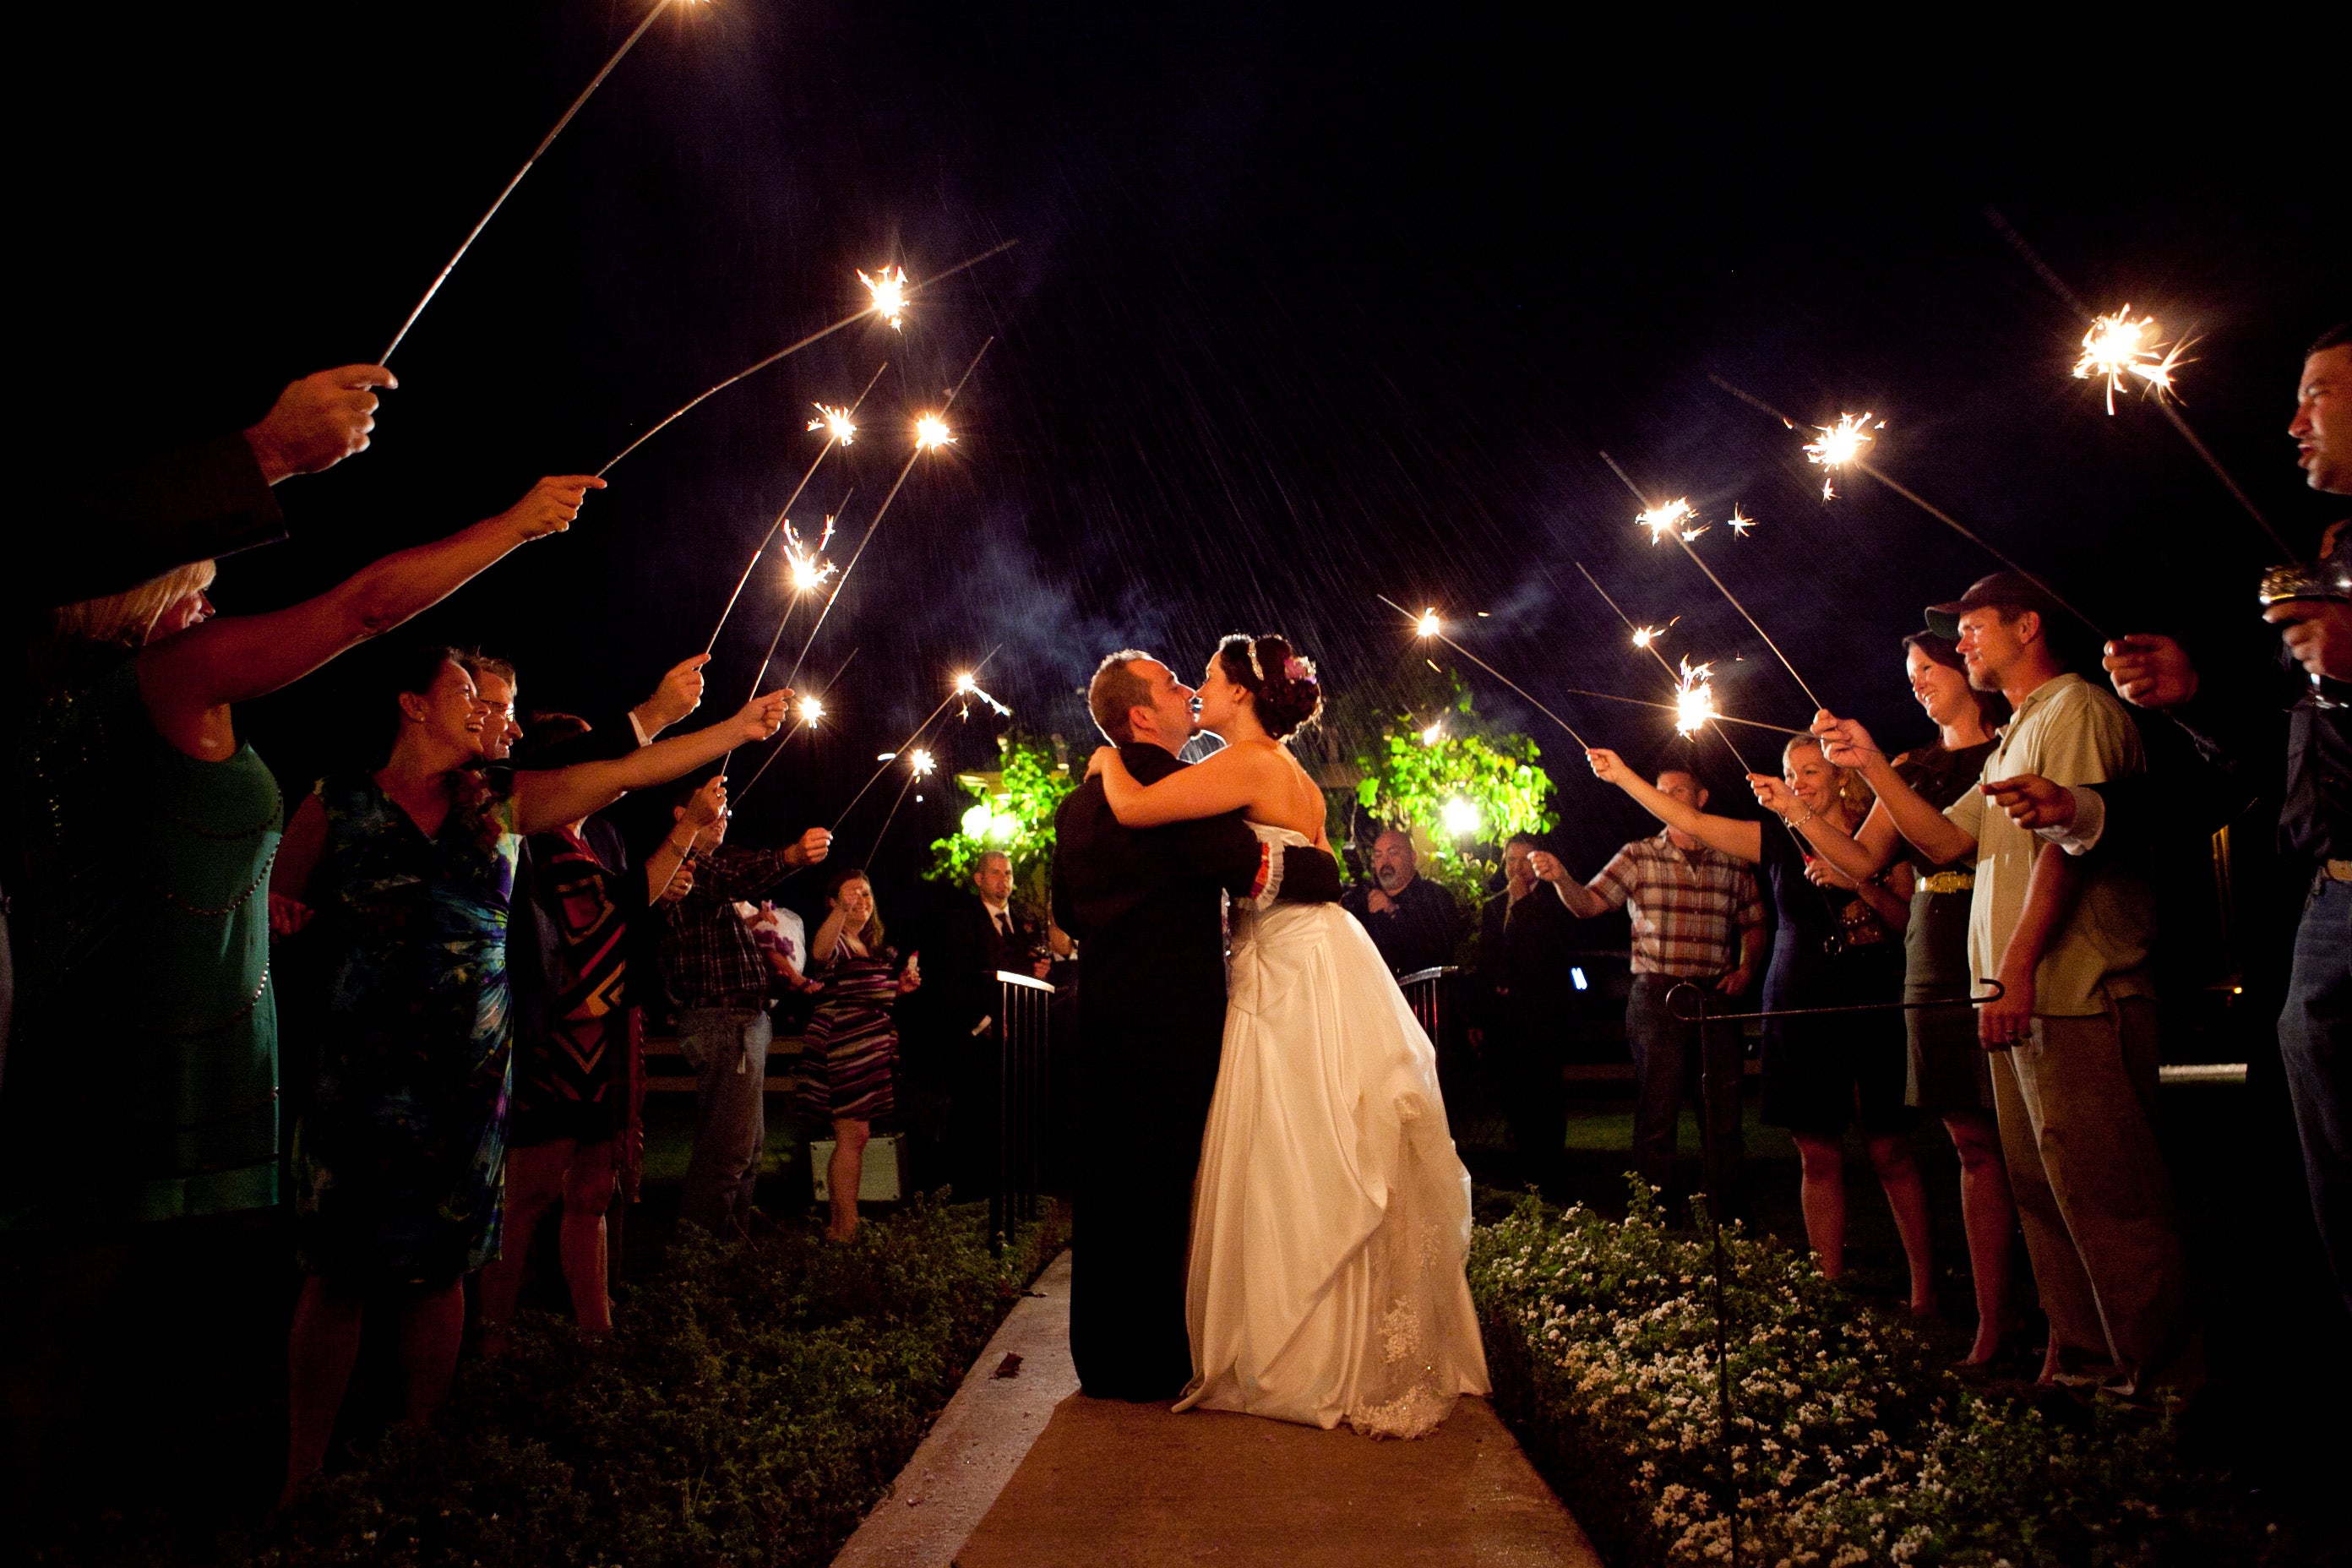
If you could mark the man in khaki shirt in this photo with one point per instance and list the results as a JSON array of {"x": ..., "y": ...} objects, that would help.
[{"x": 2074, "y": 1034}]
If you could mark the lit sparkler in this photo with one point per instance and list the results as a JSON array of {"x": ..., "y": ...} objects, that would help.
[
  {"x": 836, "y": 423},
  {"x": 811, "y": 709},
  {"x": 1739, "y": 523},
  {"x": 932, "y": 433},
  {"x": 789, "y": 350},
  {"x": 911, "y": 744},
  {"x": 2116, "y": 346},
  {"x": 545, "y": 142},
  {"x": 1427, "y": 625},
  {"x": 1644, "y": 636},
  {"x": 966, "y": 688},
  {"x": 920, "y": 764},
  {"x": 888, "y": 288},
  {"x": 1669, "y": 518},
  {"x": 804, "y": 566},
  {"x": 1839, "y": 444},
  {"x": 1646, "y": 640},
  {"x": 1694, "y": 698}
]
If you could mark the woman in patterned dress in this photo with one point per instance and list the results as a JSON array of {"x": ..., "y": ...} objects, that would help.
[
  {"x": 400, "y": 1160},
  {"x": 574, "y": 1131},
  {"x": 852, "y": 1044}
]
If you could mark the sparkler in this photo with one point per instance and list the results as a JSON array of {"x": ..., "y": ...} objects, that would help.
[
  {"x": 808, "y": 572},
  {"x": 888, "y": 288},
  {"x": 1739, "y": 523},
  {"x": 1839, "y": 444},
  {"x": 931, "y": 434},
  {"x": 919, "y": 766},
  {"x": 1694, "y": 698},
  {"x": 1857, "y": 460},
  {"x": 793, "y": 347},
  {"x": 2074, "y": 302},
  {"x": 545, "y": 142},
  {"x": 812, "y": 709},
  {"x": 1646, "y": 640},
  {"x": 887, "y": 758},
  {"x": 837, "y": 422},
  {"x": 1427, "y": 625},
  {"x": 966, "y": 688},
  {"x": 1683, "y": 540},
  {"x": 2116, "y": 346}
]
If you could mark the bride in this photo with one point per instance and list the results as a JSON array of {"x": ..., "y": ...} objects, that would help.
[{"x": 1331, "y": 1215}]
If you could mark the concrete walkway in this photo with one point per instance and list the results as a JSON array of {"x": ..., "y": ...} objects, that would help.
[{"x": 1025, "y": 1472}]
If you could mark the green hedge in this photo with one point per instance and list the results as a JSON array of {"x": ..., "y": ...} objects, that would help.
[
  {"x": 753, "y": 1402},
  {"x": 1851, "y": 1445}
]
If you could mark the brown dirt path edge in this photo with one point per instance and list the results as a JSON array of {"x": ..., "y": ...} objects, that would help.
[{"x": 1112, "y": 1485}]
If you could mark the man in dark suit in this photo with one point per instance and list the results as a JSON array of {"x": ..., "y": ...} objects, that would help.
[
  {"x": 1144, "y": 904},
  {"x": 950, "y": 1085},
  {"x": 1412, "y": 919},
  {"x": 1530, "y": 1005}
]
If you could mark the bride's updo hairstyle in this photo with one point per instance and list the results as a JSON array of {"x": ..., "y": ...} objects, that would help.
[{"x": 1281, "y": 683}]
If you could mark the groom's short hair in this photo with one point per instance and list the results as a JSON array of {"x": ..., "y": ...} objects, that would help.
[{"x": 1114, "y": 691}]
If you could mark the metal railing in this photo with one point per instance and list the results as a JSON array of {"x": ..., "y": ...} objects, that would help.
[
  {"x": 1430, "y": 997},
  {"x": 1024, "y": 1035}
]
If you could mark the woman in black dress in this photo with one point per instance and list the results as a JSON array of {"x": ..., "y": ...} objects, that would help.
[
  {"x": 1832, "y": 948},
  {"x": 1949, "y": 1075}
]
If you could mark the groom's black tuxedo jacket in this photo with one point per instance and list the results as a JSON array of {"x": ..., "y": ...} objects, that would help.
[{"x": 1151, "y": 1015}]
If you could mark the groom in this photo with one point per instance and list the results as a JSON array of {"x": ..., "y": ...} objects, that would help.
[{"x": 1151, "y": 1019}]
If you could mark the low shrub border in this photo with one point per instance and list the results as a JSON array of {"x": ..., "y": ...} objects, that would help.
[
  {"x": 1851, "y": 1445},
  {"x": 752, "y": 1404}
]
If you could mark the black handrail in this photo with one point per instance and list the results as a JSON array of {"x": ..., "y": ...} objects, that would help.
[{"x": 1024, "y": 1035}]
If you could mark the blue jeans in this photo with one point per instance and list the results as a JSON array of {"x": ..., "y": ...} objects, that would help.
[
  {"x": 2315, "y": 1043},
  {"x": 1663, "y": 1051},
  {"x": 727, "y": 1049}
]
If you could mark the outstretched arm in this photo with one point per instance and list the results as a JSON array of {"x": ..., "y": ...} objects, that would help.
[
  {"x": 1933, "y": 834},
  {"x": 544, "y": 799},
  {"x": 1230, "y": 780},
  {"x": 1741, "y": 840}
]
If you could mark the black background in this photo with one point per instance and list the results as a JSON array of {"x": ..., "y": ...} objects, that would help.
[{"x": 1310, "y": 304}]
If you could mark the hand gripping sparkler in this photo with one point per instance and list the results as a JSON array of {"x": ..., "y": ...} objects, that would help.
[
  {"x": 875, "y": 307},
  {"x": 545, "y": 142}
]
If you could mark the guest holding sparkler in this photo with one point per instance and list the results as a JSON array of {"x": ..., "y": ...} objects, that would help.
[
  {"x": 2238, "y": 734},
  {"x": 852, "y": 1045},
  {"x": 399, "y": 1161},
  {"x": 149, "y": 829},
  {"x": 1524, "y": 943},
  {"x": 720, "y": 984},
  {"x": 1696, "y": 917},
  {"x": 2074, "y": 1033},
  {"x": 1949, "y": 1073},
  {"x": 576, "y": 1136},
  {"x": 1821, "y": 1074}
]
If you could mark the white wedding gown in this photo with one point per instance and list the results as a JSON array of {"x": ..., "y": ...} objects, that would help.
[{"x": 1331, "y": 1216}]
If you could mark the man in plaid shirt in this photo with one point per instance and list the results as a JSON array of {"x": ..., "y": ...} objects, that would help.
[
  {"x": 720, "y": 982},
  {"x": 1696, "y": 915}
]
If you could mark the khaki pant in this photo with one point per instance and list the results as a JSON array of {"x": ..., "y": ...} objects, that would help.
[{"x": 2077, "y": 1106}]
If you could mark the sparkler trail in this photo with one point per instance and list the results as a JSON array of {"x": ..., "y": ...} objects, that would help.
[
  {"x": 794, "y": 348},
  {"x": 1684, "y": 540},
  {"x": 806, "y": 721},
  {"x": 1646, "y": 640},
  {"x": 893, "y": 755},
  {"x": 545, "y": 142},
  {"x": 2073, "y": 302},
  {"x": 931, "y": 434},
  {"x": 836, "y": 421},
  {"x": 1427, "y": 625},
  {"x": 1924, "y": 504},
  {"x": 792, "y": 604},
  {"x": 2116, "y": 346},
  {"x": 919, "y": 765}
]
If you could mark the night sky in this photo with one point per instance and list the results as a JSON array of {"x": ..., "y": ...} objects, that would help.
[{"x": 1308, "y": 305}]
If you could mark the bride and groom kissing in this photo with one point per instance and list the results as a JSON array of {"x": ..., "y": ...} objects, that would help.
[{"x": 1270, "y": 1213}]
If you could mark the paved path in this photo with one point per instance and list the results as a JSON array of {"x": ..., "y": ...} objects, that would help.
[{"x": 1024, "y": 1472}]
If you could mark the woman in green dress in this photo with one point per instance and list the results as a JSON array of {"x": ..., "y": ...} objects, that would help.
[
  {"x": 143, "y": 1089},
  {"x": 400, "y": 1160}
]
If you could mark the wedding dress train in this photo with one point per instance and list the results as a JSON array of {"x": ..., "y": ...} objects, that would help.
[{"x": 1331, "y": 1215}]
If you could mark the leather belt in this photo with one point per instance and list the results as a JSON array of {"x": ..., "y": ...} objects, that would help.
[{"x": 1947, "y": 882}]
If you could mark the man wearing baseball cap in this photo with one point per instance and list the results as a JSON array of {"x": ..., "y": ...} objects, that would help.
[{"x": 2074, "y": 1034}]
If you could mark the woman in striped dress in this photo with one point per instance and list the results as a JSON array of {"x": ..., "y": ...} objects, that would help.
[{"x": 852, "y": 1045}]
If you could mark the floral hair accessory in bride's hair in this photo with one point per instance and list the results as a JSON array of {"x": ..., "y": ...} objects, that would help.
[{"x": 1298, "y": 668}]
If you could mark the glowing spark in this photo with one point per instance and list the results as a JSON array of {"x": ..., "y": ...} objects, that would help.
[
  {"x": 1433, "y": 734},
  {"x": 1739, "y": 523},
  {"x": 1670, "y": 518},
  {"x": 920, "y": 760},
  {"x": 1694, "y": 698},
  {"x": 932, "y": 433},
  {"x": 1840, "y": 444},
  {"x": 835, "y": 423},
  {"x": 889, "y": 287},
  {"x": 1461, "y": 817},
  {"x": 806, "y": 568},
  {"x": 966, "y": 688},
  {"x": 811, "y": 709},
  {"x": 888, "y": 757},
  {"x": 1428, "y": 624},
  {"x": 1691, "y": 533},
  {"x": 2116, "y": 346},
  {"x": 1644, "y": 636}
]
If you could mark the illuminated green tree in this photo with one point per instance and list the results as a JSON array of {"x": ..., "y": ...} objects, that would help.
[
  {"x": 1013, "y": 812},
  {"x": 1464, "y": 787}
]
